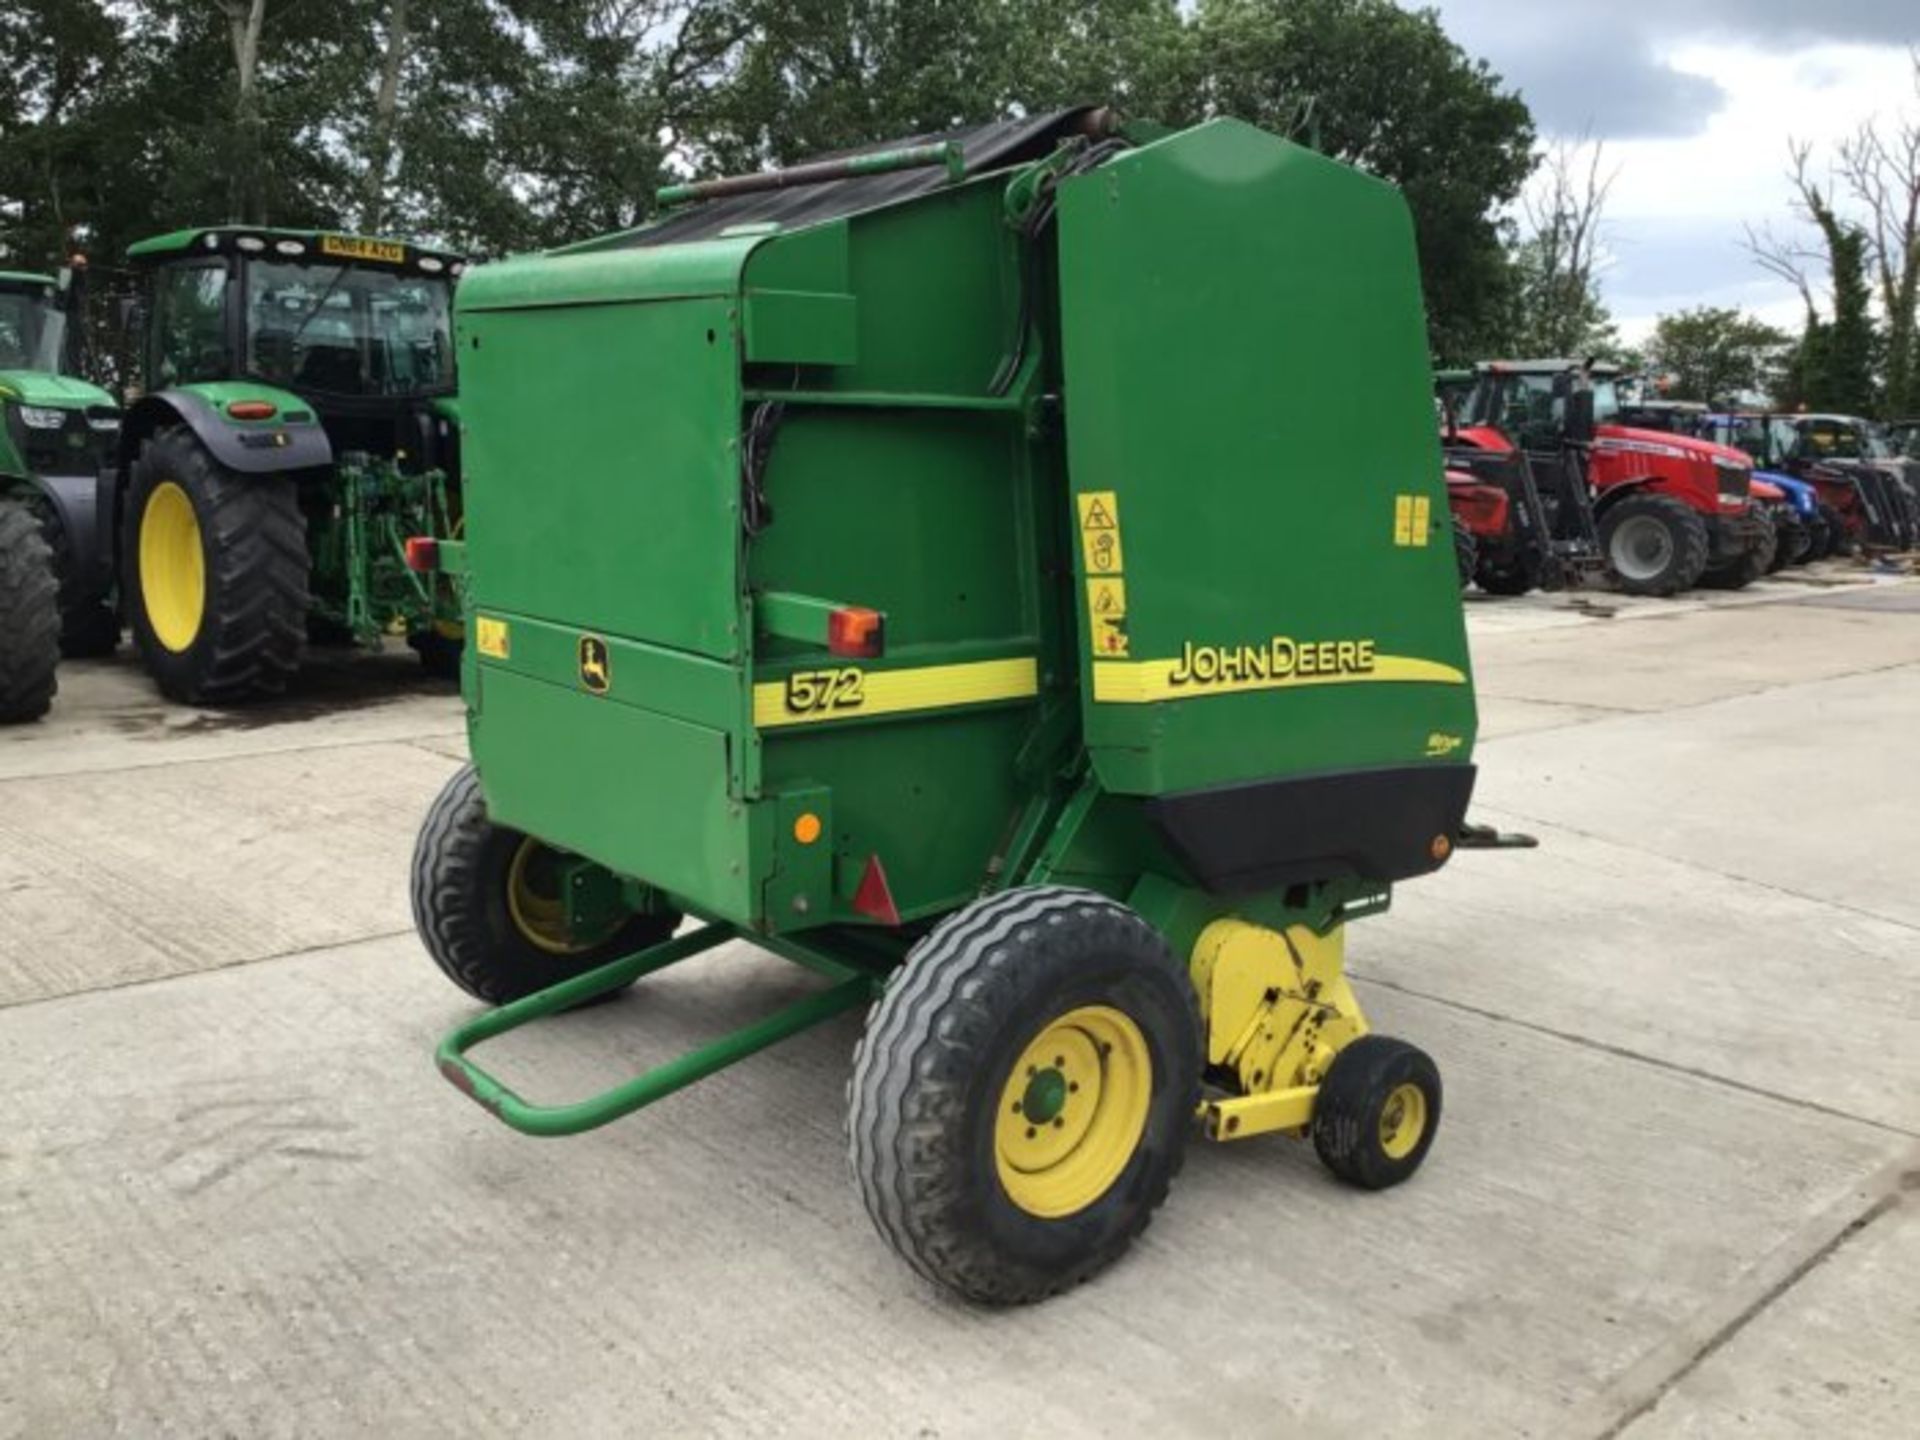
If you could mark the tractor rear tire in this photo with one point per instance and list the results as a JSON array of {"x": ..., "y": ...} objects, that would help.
[
  {"x": 1819, "y": 539},
  {"x": 1839, "y": 542},
  {"x": 1377, "y": 1112},
  {"x": 89, "y": 627},
  {"x": 1750, "y": 564},
  {"x": 439, "y": 653},
  {"x": 1654, "y": 544},
  {"x": 1466, "y": 552},
  {"x": 29, "y": 617},
  {"x": 1508, "y": 577},
  {"x": 485, "y": 918},
  {"x": 215, "y": 570},
  {"x": 1022, "y": 1095}
]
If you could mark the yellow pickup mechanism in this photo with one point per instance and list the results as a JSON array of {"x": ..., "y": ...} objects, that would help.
[{"x": 1277, "y": 1009}]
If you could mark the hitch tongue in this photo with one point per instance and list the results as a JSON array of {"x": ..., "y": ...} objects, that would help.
[{"x": 1486, "y": 837}]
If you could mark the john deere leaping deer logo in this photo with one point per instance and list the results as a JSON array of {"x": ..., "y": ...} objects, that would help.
[{"x": 596, "y": 665}]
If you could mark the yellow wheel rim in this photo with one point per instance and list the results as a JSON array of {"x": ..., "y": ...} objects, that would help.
[
  {"x": 538, "y": 905},
  {"x": 1403, "y": 1120},
  {"x": 173, "y": 567},
  {"x": 1072, "y": 1111}
]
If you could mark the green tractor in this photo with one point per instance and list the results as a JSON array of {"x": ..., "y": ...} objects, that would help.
[
  {"x": 296, "y": 427},
  {"x": 944, "y": 609},
  {"x": 58, "y": 434}
]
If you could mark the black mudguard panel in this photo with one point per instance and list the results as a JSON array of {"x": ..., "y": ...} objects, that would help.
[
  {"x": 248, "y": 449},
  {"x": 1353, "y": 824}
]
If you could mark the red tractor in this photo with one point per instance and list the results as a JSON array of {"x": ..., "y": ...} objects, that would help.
[{"x": 1670, "y": 511}]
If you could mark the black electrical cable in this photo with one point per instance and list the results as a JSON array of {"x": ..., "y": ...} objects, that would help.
[{"x": 756, "y": 513}]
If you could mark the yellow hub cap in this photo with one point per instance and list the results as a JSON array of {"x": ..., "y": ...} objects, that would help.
[
  {"x": 538, "y": 904},
  {"x": 173, "y": 567},
  {"x": 1072, "y": 1111},
  {"x": 1403, "y": 1120}
]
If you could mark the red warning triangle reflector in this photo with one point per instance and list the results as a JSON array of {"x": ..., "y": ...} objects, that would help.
[{"x": 873, "y": 898}]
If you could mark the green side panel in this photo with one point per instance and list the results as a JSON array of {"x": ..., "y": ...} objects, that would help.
[
  {"x": 601, "y": 468},
  {"x": 672, "y": 682},
  {"x": 800, "y": 327},
  {"x": 634, "y": 790},
  {"x": 1247, "y": 377}
]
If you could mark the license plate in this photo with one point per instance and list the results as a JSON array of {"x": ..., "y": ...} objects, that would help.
[{"x": 352, "y": 247}]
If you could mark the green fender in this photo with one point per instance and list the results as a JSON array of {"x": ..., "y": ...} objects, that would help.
[{"x": 291, "y": 438}]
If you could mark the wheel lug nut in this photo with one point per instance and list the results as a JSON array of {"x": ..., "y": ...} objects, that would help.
[{"x": 1031, "y": 1132}]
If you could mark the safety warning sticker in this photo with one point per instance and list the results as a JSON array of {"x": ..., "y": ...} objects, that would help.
[
  {"x": 1100, "y": 532},
  {"x": 1107, "y": 616}
]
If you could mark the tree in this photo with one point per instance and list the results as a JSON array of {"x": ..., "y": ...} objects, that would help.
[
  {"x": 1880, "y": 167},
  {"x": 1559, "y": 309},
  {"x": 1712, "y": 354}
]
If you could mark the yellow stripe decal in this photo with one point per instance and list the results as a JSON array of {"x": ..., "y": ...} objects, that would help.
[
  {"x": 847, "y": 692},
  {"x": 1142, "y": 682}
]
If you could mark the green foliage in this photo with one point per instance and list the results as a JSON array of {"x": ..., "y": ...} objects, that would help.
[
  {"x": 1714, "y": 353},
  {"x": 522, "y": 123}
]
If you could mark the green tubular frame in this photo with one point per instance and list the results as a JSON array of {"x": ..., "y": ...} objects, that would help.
[{"x": 853, "y": 988}]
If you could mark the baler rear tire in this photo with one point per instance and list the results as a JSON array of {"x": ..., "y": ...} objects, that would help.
[
  {"x": 462, "y": 867},
  {"x": 29, "y": 617},
  {"x": 1350, "y": 1113},
  {"x": 249, "y": 632},
  {"x": 942, "y": 1049},
  {"x": 1686, "y": 560}
]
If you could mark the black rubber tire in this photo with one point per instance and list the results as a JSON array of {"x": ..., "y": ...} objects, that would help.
[
  {"x": 1511, "y": 577},
  {"x": 1839, "y": 542},
  {"x": 89, "y": 627},
  {"x": 1347, "y": 1112},
  {"x": 1688, "y": 532},
  {"x": 1466, "y": 552},
  {"x": 930, "y": 1067},
  {"x": 461, "y": 861},
  {"x": 1818, "y": 539},
  {"x": 1791, "y": 542},
  {"x": 1756, "y": 560},
  {"x": 29, "y": 617},
  {"x": 439, "y": 654},
  {"x": 254, "y": 627}
]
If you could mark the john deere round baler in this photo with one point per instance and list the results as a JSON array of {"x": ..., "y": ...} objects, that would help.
[{"x": 917, "y": 564}]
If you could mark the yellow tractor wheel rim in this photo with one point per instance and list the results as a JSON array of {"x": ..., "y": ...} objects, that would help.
[
  {"x": 173, "y": 567},
  {"x": 538, "y": 907},
  {"x": 1072, "y": 1111},
  {"x": 1403, "y": 1120}
]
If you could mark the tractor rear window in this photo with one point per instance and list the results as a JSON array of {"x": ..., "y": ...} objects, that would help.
[
  {"x": 22, "y": 313},
  {"x": 348, "y": 329}
]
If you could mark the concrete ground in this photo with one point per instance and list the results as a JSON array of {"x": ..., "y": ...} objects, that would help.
[{"x": 1677, "y": 1192}]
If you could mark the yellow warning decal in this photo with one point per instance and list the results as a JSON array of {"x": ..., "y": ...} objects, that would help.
[
  {"x": 1107, "y": 616},
  {"x": 490, "y": 635},
  {"x": 1281, "y": 663},
  {"x": 1100, "y": 532},
  {"x": 352, "y": 247},
  {"x": 1412, "y": 518},
  {"x": 845, "y": 692}
]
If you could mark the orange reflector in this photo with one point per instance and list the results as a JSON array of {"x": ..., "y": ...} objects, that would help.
[
  {"x": 873, "y": 899},
  {"x": 806, "y": 829},
  {"x": 856, "y": 631},
  {"x": 252, "y": 409},
  {"x": 1441, "y": 847},
  {"x": 423, "y": 554}
]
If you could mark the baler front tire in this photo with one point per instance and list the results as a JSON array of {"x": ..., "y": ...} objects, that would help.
[
  {"x": 1377, "y": 1112},
  {"x": 235, "y": 629},
  {"x": 1677, "y": 567},
  {"x": 29, "y": 617},
  {"x": 464, "y": 868},
  {"x": 966, "y": 1186}
]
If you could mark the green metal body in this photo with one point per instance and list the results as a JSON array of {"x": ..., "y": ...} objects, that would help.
[
  {"x": 1280, "y": 612},
  {"x": 368, "y": 495}
]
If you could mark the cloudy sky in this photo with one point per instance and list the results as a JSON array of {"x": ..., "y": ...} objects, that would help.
[{"x": 1697, "y": 100}]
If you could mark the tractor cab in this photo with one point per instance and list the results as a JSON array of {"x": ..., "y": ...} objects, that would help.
[{"x": 1866, "y": 488}]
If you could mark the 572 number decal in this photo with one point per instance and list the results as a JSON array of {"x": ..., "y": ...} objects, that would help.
[{"x": 812, "y": 692}]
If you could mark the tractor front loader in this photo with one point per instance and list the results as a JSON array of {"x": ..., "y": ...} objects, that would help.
[
  {"x": 933, "y": 606},
  {"x": 297, "y": 427}
]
